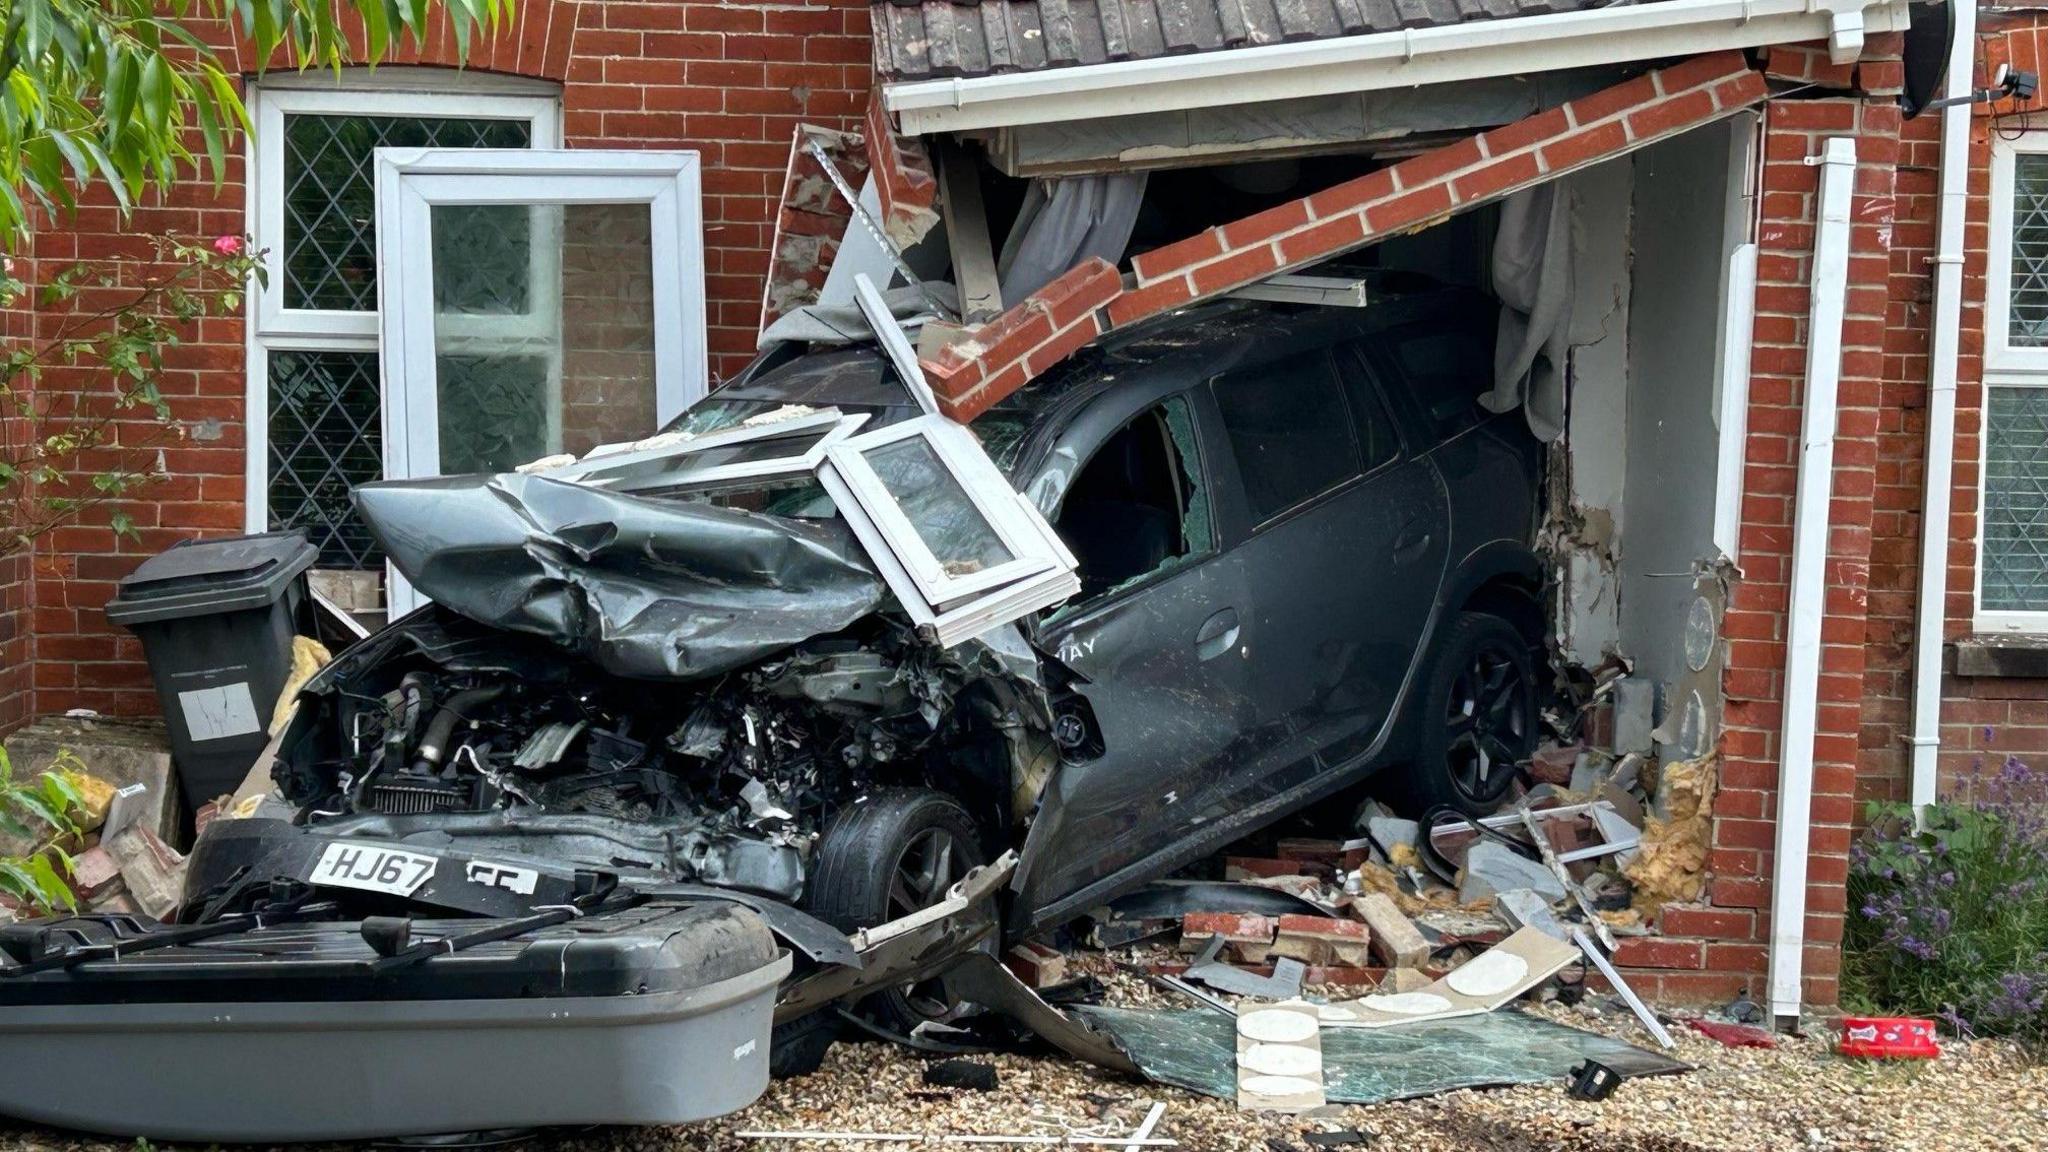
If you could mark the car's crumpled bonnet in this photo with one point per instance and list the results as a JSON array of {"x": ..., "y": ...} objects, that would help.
[{"x": 646, "y": 588}]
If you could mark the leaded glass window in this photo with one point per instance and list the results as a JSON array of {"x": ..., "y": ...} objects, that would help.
[
  {"x": 324, "y": 440},
  {"x": 2015, "y": 549},
  {"x": 329, "y": 246}
]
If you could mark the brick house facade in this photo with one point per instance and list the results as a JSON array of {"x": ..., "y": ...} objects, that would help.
[{"x": 733, "y": 80}]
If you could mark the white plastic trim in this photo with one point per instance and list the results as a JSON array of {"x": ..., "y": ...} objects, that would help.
[
  {"x": 1931, "y": 613},
  {"x": 1809, "y": 584},
  {"x": 1483, "y": 48}
]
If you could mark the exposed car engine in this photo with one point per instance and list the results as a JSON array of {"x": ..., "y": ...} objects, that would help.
[{"x": 445, "y": 731}]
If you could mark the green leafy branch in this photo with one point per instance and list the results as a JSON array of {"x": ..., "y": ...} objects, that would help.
[
  {"x": 40, "y": 811},
  {"x": 118, "y": 91},
  {"x": 67, "y": 450}
]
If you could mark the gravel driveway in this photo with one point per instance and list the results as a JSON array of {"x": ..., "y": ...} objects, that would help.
[{"x": 1985, "y": 1095}]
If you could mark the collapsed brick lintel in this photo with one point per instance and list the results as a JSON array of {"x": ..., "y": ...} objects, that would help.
[{"x": 1002, "y": 355}]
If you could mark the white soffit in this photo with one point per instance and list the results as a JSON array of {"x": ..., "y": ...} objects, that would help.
[{"x": 1403, "y": 59}]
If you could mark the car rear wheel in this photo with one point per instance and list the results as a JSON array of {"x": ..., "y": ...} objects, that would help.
[
  {"x": 1478, "y": 720},
  {"x": 896, "y": 852}
]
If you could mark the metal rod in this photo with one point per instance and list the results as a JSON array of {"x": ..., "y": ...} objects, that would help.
[
  {"x": 1145, "y": 1129},
  {"x": 1133, "y": 1141}
]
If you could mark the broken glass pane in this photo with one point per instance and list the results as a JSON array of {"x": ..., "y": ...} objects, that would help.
[
  {"x": 1197, "y": 1050},
  {"x": 324, "y": 440},
  {"x": 937, "y": 506},
  {"x": 2015, "y": 499},
  {"x": 2027, "y": 315},
  {"x": 330, "y": 239}
]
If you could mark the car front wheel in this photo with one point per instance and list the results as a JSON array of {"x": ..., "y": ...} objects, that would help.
[
  {"x": 1478, "y": 719},
  {"x": 896, "y": 852}
]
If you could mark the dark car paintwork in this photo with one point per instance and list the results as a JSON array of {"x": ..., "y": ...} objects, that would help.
[{"x": 1229, "y": 690}]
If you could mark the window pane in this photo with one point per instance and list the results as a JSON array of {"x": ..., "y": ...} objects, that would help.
[
  {"x": 2016, "y": 500},
  {"x": 324, "y": 440},
  {"x": 937, "y": 506},
  {"x": 1448, "y": 368},
  {"x": 1289, "y": 430},
  {"x": 1376, "y": 436},
  {"x": 2027, "y": 316},
  {"x": 543, "y": 331},
  {"x": 329, "y": 245}
]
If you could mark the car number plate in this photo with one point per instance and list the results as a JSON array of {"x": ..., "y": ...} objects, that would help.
[{"x": 373, "y": 868}]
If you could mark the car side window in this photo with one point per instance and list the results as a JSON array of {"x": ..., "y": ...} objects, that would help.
[
  {"x": 1448, "y": 367},
  {"x": 1378, "y": 442},
  {"x": 1140, "y": 504},
  {"x": 1290, "y": 431}
]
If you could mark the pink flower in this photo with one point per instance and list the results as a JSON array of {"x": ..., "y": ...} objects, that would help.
[{"x": 227, "y": 245}]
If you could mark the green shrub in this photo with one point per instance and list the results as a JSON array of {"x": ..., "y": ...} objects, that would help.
[
  {"x": 1951, "y": 919},
  {"x": 39, "y": 811}
]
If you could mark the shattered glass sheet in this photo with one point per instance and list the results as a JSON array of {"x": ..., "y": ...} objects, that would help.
[
  {"x": 648, "y": 589},
  {"x": 1197, "y": 1050}
]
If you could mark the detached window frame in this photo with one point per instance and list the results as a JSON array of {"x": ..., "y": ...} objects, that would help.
[
  {"x": 1039, "y": 574},
  {"x": 664, "y": 467},
  {"x": 2006, "y": 366}
]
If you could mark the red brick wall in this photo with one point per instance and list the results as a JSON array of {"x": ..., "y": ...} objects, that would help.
[
  {"x": 728, "y": 80},
  {"x": 15, "y": 612},
  {"x": 1982, "y": 720},
  {"x": 1755, "y": 624}
]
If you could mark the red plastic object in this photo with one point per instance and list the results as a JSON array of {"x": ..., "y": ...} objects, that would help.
[
  {"x": 1888, "y": 1038},
  {"x": 1735, "y": 1035}
]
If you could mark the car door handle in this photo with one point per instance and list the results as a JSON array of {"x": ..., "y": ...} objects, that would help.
[
  {"x": 1411, "y": 543},
  {"x": 1218, "y": 635}
]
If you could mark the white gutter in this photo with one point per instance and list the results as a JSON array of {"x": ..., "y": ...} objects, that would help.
[
  {"x": 1809, "y": 583},
  {"x": 1416, "y": 56},
  {"x": 1931, "y": 616}
]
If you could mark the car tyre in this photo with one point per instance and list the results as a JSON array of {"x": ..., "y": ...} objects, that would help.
[
  {"x": 1478, "y": 717},
  {"x": 797, "y": 1047},
  {"x": 895, "y": 852}
]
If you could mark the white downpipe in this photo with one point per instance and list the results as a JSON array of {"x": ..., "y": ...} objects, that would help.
[
  {"x": 1931, "y": 616},
  {"x": 1611, "y": 34},
  {"x": 1809, "y": 583},
  {"x": 1738, "y": 323}
]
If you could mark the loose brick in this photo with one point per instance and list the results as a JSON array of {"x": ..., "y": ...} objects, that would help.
[
  {"x": 1352, "y": 194},
  {"x": 1063, "y": 344},
  {"x": 1700, "y": 70},
  {"x": 1248, "y": 934},
  {"x": 1260, "y": 227},
  {"x": 1495, "y": 178},
  {"x": 1395, "y": 939},
  {"x": 1582, "y": 146},
  {"x": 1527, "y": 131},
  {"x": 1437, "y": 163},
  {"x": 1322, "y": 940},
  {"x": 1037, "y": 965},
  {"x": 1079, "y": 291},
  {"x": 1671, "y": 114},
  {"x": 1597, "y": 106}
]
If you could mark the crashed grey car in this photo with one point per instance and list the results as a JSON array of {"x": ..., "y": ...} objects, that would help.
[{"x": 821, "y": 654}]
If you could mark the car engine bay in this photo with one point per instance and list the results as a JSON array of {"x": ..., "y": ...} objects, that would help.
[{"x": 444, "y": 730}]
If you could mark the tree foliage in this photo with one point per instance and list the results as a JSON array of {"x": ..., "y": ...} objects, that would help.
[{"x": 127, "y": 92}]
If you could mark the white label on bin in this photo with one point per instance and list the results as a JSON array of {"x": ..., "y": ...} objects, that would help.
[{"x": 218, "y": 713}]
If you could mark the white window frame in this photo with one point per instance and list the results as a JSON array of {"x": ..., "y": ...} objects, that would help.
[
  {"x": 956, "y": 607},
  {"x": 2004, "y": 365},
  {"x": 387, "y": 91},
  {"x": 619, "y": 467},
  {"x": 411, "y": 182}
]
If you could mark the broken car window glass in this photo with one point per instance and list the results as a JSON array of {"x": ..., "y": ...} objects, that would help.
[
  {"x": 1197, "y": 526},
  {"x": 937, "y": 506},
  {"x": 1289, "y": 430},
  {"x": 1128, "y": 512}
]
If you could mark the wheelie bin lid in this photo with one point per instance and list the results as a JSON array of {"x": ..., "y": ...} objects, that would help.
[{"x": 211, "y": 576}]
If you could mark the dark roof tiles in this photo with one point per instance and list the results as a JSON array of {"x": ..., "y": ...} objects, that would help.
[{"x": 923, "y": 39}]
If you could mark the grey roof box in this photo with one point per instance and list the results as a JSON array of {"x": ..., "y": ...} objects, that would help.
[
  {"x": 204, "y": 577},
  {"x": 658, "y": 1014}
]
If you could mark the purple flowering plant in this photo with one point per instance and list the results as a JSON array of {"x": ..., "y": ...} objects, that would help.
[{"x": 1951, "y": 918}]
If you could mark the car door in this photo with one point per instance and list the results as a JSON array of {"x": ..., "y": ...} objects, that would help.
[
  {"x": 1344, "y": 544},
  {"x": 1161, "y": 649}
]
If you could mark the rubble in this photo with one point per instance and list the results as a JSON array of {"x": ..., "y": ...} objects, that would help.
[
  {"x": 1492, "y": 868},
  {"x": 1394, "y": 939}
]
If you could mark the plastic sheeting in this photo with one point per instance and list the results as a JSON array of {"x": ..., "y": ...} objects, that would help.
[
  {"x": 1065, "y": 221},
  {"x": 1532, "y": 275},
  {"x": 646, "y": 588}
]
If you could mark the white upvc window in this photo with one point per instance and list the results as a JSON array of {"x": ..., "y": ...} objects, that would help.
[
  {"x": 2012, "y": 508},
  {"x": 314, "y": 410}
]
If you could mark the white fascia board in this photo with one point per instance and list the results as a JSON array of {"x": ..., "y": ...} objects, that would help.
[{"x": 1408, "y": 58}]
